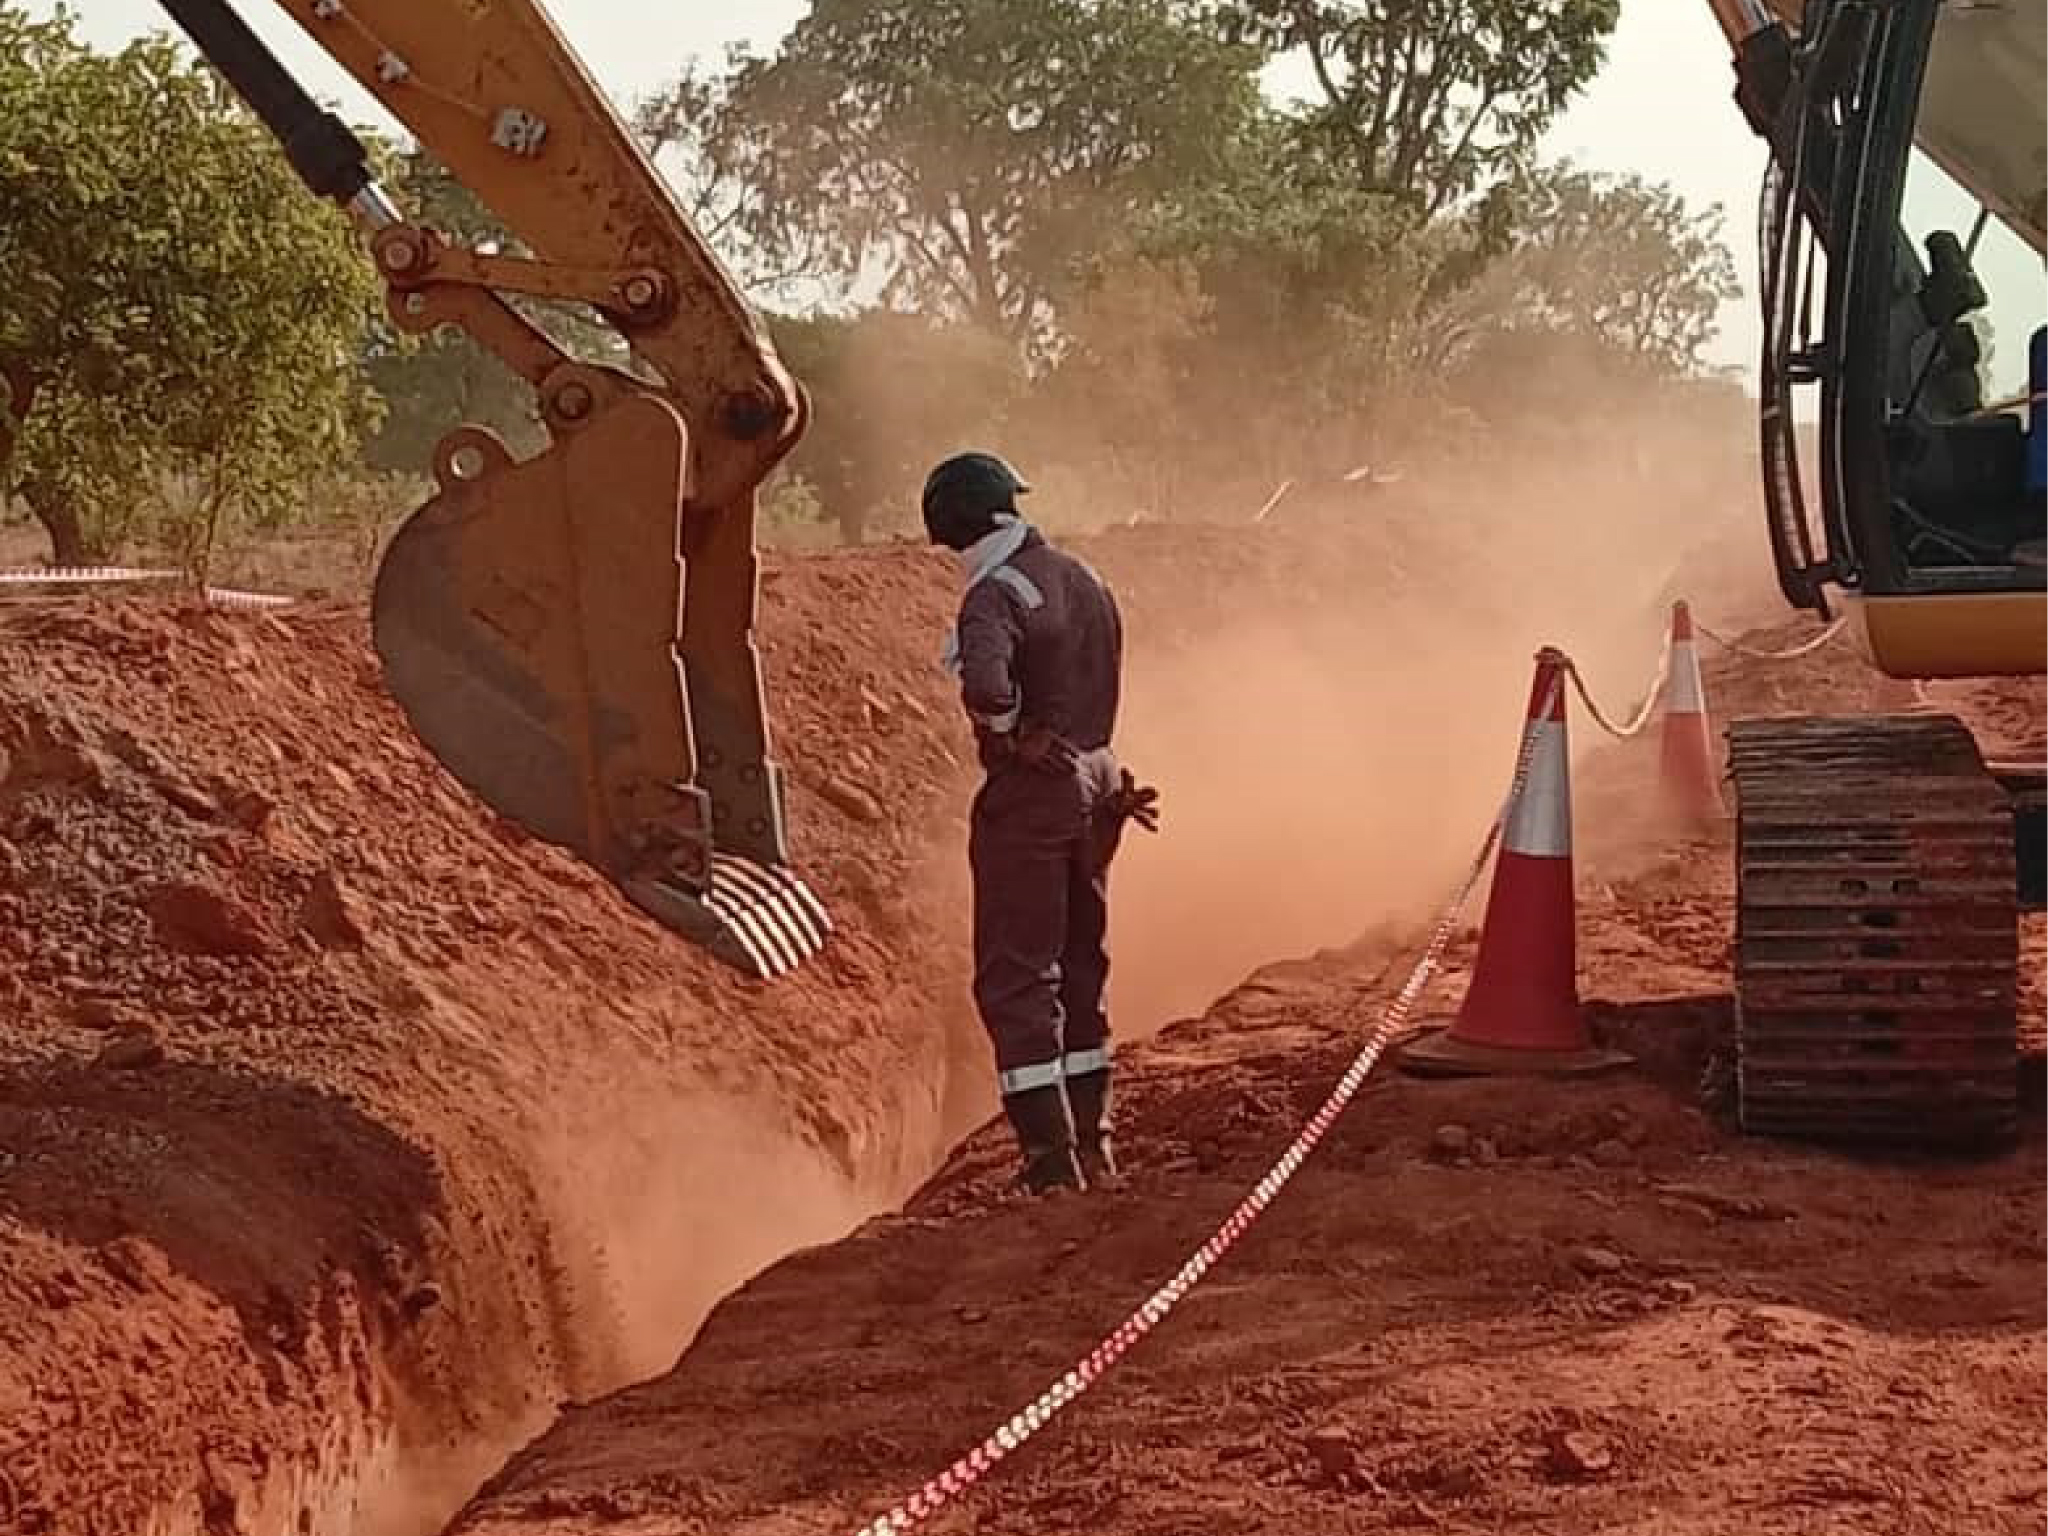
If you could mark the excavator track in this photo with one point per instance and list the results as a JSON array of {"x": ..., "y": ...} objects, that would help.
[{"x": 1877, "y": 950}]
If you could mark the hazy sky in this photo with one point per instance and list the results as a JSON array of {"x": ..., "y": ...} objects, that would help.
[{"x": 1662, "y": 107}]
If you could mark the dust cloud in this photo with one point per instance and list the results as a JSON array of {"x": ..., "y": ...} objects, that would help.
[{"x": 1332, "y": 746}]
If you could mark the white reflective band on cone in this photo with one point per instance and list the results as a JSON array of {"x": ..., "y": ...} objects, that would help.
[
  {"x": 1081, "y": 1063},
  {"x": 1042, "y": 1074},
  {"x": 1541, "y": 824},
  {"x": 1686, "y": 696}
]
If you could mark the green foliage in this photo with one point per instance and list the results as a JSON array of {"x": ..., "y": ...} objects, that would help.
[
  {"x": 1619, "y": 263},
  {"x": 891, "y": 394},
  {"x": 1429, "y": 100},
  {"x": 967, "y": 150},
  {"x": 176, "y": 306}
]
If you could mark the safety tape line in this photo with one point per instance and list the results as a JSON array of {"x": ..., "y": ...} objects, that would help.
[
  {"x": 73, "y": 575},
  {"x": 1652, "y": 696},
  {"x": 235, "y": 597},
  {"x": 976, "y": 1464},
  {"x": 110, "y": 575},
  {"x": 1792, "y": 653}
]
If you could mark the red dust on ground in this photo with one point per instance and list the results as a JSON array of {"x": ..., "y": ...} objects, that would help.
[
  {"x": 348, "y": 1137},
  {"x": 1491, "y": 1305}
]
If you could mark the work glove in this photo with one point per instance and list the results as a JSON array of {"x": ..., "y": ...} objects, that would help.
[{"x": 1137, "y": 802}]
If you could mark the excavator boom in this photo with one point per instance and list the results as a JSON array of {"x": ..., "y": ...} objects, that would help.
[{"x": 571, "y": 634}]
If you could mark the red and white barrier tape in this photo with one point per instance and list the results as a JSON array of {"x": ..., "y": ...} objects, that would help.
[
  {"x": 74, "y": 575},
  {"x": 976, "y": 1464},
  {"x": 114, "y": 575}
]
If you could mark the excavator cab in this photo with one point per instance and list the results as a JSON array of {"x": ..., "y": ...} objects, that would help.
[
  {"x": 571, "y": 633},
  {"x": 1887, "y": 119}
]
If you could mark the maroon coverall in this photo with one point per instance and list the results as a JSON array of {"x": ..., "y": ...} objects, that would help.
[{"x": 1041, "y": 645}]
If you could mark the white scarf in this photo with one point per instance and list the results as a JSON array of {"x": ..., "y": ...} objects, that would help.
[{"x": 978, "y": 561}]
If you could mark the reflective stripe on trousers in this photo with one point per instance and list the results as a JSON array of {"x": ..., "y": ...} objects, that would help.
[{"x": 1043, "y": 1074}]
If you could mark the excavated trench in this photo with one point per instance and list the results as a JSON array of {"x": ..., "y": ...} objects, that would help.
[{"x": 347, "y": 1136}]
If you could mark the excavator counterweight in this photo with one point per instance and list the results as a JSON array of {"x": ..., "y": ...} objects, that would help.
[{"x": 571, "y": 634}]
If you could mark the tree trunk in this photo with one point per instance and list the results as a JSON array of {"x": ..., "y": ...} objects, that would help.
[
  {"x": 852, "y": 517},
  {"x": 60, "y": 521}
]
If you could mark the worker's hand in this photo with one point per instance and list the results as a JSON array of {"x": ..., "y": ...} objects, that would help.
[
  {"x": 1136, "y": 802},
  {"x": 1038, "y": 748}
]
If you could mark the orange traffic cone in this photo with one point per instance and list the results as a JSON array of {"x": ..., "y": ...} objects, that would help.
[
  {"x": 1521, "y": 1013},
  {"x": 1688, "y": 781}
]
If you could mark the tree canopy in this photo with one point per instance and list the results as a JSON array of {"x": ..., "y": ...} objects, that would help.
[
  {"x": 963, "y": 152},
  {"x": 176, "y": 307},
  {"x": 1095, "y": 231}
]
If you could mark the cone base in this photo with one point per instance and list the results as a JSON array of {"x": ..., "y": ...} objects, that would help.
[{"x": 1441, "y": 1054}]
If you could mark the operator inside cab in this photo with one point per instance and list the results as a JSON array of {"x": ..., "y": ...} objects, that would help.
[{"x": 1038, "y": 650}]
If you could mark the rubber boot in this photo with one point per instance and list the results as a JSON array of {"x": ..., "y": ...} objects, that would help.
[
  {"x": 1045, "y": 1137},
  {"x": 1089, "y": 1098}
]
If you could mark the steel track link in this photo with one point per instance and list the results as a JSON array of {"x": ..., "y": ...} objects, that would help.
[{"x": 1877, "y": 949}]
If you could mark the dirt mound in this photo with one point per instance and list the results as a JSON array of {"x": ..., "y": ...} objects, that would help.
[
  {"x": 343, "y": 1126},
  {"x": 346, "y": 1133},
  {"x": 1483, "y": 1305}
]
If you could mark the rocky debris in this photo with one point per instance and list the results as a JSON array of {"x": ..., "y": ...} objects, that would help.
[
  {"x": 134, "y": 1051},
  {"x": 422, "y": 1299},
  {"x": 137, "y": 1263},
  {"x": 1450, "y": 1143},
  {"x": 853, "y": 799},
  {"x": 329, "y": 914},
  {"x": 1723, "y": 1203},
  {"x": 249, "y": 809},
  {"x": 1596, "y": 1262},
  {"x": 1579, "y": 1453},
  {"x": 196, "y": 919},
  {"x": 1612, "y": 1153},
  {"x": 1334, "y": 1450},
  {"x": 173, "y": 785},
  {"x": 96, "y": 1012}
]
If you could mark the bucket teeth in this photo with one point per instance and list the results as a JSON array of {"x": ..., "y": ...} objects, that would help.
[{"x": 761, "y": 918}]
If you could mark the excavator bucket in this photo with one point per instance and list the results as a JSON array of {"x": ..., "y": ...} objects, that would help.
[{"x": 607, "y": 702}]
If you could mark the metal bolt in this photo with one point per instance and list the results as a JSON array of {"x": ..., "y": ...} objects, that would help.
[
  {"x": 573, "y": 401},
  {"x": 641, "y": 292},
  {"x": 415, "y": 303},
  {"x": 398, "y": 255}
]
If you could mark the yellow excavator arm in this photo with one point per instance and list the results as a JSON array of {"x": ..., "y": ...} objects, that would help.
[{"x": 571, "y": 634}]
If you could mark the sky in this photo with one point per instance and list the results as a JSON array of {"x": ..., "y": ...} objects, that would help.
[{"x": 1662, "y": 107}]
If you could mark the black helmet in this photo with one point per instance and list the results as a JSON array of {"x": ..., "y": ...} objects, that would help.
[{"x": 963, "y": 495}]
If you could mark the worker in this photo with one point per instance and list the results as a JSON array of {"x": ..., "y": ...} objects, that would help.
[{"x": 1038, "y": 650}]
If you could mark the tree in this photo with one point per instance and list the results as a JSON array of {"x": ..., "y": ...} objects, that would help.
[
  {"x": 1430, "y": 100},
  {"x": 891, "y": 394},
  {"x": 177, "y": 305},
  {"x": 1612, "y": 271},
  {"x": 964, "y": 150}
]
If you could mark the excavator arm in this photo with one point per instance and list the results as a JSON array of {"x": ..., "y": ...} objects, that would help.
[{"x": 571, "y": 634}]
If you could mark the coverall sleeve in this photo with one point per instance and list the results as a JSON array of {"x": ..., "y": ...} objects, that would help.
[{"x": 991, "y": 635}]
